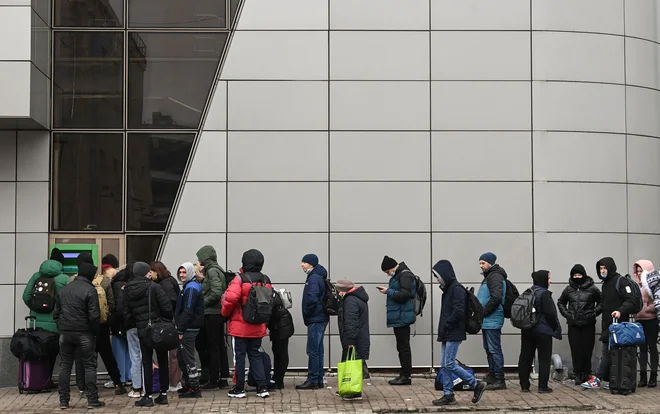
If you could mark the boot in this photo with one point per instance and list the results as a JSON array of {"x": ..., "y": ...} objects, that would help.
[
  {"x": 642, "y": 380},
  {"x": 499, "y": 384},
  {"x": 489, "y": 378},
  {"x": 653, "y": 381}
]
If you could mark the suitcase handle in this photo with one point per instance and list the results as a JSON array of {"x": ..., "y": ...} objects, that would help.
[{"x": 27, "y": 321}]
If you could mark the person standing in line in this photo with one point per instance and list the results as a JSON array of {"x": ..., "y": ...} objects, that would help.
[
  {"x": 580, "y": 304},
  {"x": 281, "y": 328},
  {"x": 491, "y": 295},
  {"x": 451, "y": 332},
  {"x": 539, "y": 338},
  {"x": 132, "y": 339},
  {"x": 118, "y": 330},
  {"x": 647, "y": 318},
  {"x": 316, "y": 319},
  {"x": 400, "y": 312}
]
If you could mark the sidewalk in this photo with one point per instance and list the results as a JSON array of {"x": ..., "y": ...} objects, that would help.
[{"x": 379, "y": 398}]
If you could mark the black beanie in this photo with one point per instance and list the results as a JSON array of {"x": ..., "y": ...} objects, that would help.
[
  {"x": 87, "y": 270},
  {"x": 110, "y": 259},
  {"x": 84, "y": 257},
  {"x": 388, "y": 263},
  {"x": 540, "y": 278},
  {"x": 56, "y": 254}
]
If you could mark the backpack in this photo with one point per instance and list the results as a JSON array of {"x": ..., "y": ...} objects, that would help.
[
  {"x": 331, "y": 299},
  {"x": 43, "y": 295},
  {"x": 285, "y": 297},
  {"x": 523, "y": 310},
  {"x": 635, "y": 292},
  {"x": 419, "y": 299},
  {"x": 475, "y": 313},
  {"x": 510, "y": 297},
  {"x": 259, "y": 304},
  {"x": 103, "y": 300}
]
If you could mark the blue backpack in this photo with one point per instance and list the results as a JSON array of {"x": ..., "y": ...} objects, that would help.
[{"x": 459, "y": 385}]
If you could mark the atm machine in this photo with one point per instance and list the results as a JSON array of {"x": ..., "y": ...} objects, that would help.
[{"x": 71, "y": 253}]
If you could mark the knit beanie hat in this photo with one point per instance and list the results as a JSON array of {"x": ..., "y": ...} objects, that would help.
[
  {"x": 489, "y": 258},
  {"x": 344, "y": 285},
  {"x": 140, "y": 269},
  {"x": 110, "y": 259},
  {"x": 311, "y": 259},
  {"x": 388, "y": 263}
]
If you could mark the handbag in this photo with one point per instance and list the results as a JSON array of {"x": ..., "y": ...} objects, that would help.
[
  {"x": 349, "y": 374},
  {"x": 626, "y": 334},
  {"x": 162, "y": 335}
]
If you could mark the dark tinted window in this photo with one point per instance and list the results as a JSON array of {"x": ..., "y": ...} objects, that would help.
[
  {"x": 155, "y": 167},
  {"x": 177, "y": 13},
  {"x": 142, "y": 248},
  {"x": 233, "y": 9},
  {"x": 170, "y": 76},
  {"x": 89, "y": 13},
  {"x": 87, "y": 182},
  {"x": 88, "y": 80}
]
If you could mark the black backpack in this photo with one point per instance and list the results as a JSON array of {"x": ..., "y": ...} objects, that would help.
[
  {"x": 509, "y": 297},
  {"x": 44, "y": 294},
  {"x": 259, "y": 305},
  {"x": 419, "y": 298},
  {"x": 475, "y": 313},
  {"x": 524, "y": 314},
  {"x": 331, "y": 298},
  {"x": 635, "y": 292}
]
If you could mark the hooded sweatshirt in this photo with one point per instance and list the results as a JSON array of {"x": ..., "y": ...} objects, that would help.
[
  {"x": 548, "y": 322},
  {"x": 51, "y": 269},
  {"x": 214, "y": 283},
  {"x": 613, "y": 300},
  {"x": 648, "y": 312},
  {"x": 189, "y": 313},
  {"x": 453, "y": 313}
]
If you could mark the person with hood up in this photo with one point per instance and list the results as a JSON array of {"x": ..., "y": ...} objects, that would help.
[
  {"x": 491, "y": 295},
  {"x": 137, "y": 294},
  {"x": 118, "y": 331},
  {"x": 280, "y": 328},
  {"x": 400, "y": 312},
  {"x": 539, "y": 338},
  {"x": 647, "y": 318},
  {"x": 580, "y": 303},
  {"x": 451, "y": 332},
  {"x": 78, "y": 318},
  {"x": 50, "y": 269},
  {"x": 316, "y": 320},
  {"x": 247, "y": 337},
  {"x": 211, "y": 343},
  {"x": 189, "y": 317},
  {"x": 617, "y": 304},
  {"x": 353, "y": 324}
]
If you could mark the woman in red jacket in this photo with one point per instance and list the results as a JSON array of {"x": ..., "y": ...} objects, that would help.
[{"x": 246, "y": 336}]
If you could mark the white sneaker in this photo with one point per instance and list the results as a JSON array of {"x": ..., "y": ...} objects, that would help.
[
  {"x": 175, "y": 388},
  {"x": 109, "y": 384},
  {"x": 135, "y": 394},
  {"x": 263, "y": 394}
]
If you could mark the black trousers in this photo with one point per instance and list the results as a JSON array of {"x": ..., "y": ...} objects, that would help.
[
  {"x": 212, "y": 348},
  {"x": 651, "y": 347},
  {"x": 603, "y": 372},
  {"x": 531, "y": 343},
  {"x": 402, "y": 336},
  {"x": 79, "y": 345},
  {"x": 582, "y": 340},
  {"x": 187, "y": 361},
  {"x": 104, "y": 349},
  {"x": 280, "y": 359},
  {"x": 148, "y": 369}
]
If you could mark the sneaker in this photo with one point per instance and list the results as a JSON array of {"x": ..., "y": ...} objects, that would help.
[
  {"x": 64, "y": 405},
  {"x": 191, "y": 394},
  {"x": 120, "y": 390},
  {"x": 479, "y": 390},
  {"x": 352, "y": 397},
  {"x": 236, "y": 393},
  {"x": 263, "y": 393},
  {"x": 401, "y": 380},
  {"x": 161, "y": 399},
  {"x": 145, "y": 402},
  {"x": 95, "y": 404},
  {"x": 445, "y": 400},
  {"x": 175, "y": 388},
  {"x": 591, "y": 384},
  {"x": 135, "y": 393},
  {"x": 606, "y": 387},
  {"x": 499, "y": 384},
  {"x": 109, "y": 385}
]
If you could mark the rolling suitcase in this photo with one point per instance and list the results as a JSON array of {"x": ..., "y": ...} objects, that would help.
[
  {"x": 623, "y": 371},
  {"x": 33, "y": 376}
]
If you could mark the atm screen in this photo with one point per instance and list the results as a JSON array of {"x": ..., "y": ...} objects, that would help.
[{"x": 70, "y": 255}]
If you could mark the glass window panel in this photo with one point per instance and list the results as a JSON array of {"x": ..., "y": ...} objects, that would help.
[
  {"x": 233, "y": 9},
  {"x": 177, "y": 13},
  {"x": 88, "y": 81},
  {"x": 142, "y": 248},
  {"x": 155, "y": 168},
  {"x": 89, "y": 13},
  {"x": 170, "y": 76},
  {"x": 87, "y": 182}
]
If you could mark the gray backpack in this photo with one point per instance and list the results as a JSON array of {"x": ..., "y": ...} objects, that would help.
[
  {"x": 259, "y": 305},
  {"x": 523, "y": 310}
]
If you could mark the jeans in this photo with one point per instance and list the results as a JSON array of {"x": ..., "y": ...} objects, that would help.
[
  {"x": 651, "y": 347},
  {"x": 530, "y": 343},
  {"x": 187, "y": 361},
  {"x": 83, "y": 345},
  {"x": 104, "y": 350},
  {"x": 315, "y": 351},
  {"x": 120, "y": 351},
  {"x": 135, "y": 353},
  {"x": 582, "y": 340},
  {"x": 249, "y": 346},
  {"x": 280, "y": 359},
  {"x": 449, "y": 367},
  {"x": 603, "y": 372},
  {"x": 212, "y": 348},
  {"x": 493, "y": 346},
  {"x": 148, "y": 369},
  {"x": 402, "y": 336}
]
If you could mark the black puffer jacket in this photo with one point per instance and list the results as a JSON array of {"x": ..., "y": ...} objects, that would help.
[
  {"x": 171, "y": 288},
  {"x": 614, "y": 300},
  {"x": 118, "y": 326},
  {"x": 580, "y": 302},
  {"x": 281, "y": 322},
  {"x": 136, "y": 299},
  {"x": 77, "y": 307},
  {"x": 353, "y": 321}
]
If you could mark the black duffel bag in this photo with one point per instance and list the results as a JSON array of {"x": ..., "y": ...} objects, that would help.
[
  {"x": 32, "y": 343},
  {"x": 160, "y": 334}
]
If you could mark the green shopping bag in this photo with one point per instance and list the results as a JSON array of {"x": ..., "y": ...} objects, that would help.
[{"x": 349, "y": 374}]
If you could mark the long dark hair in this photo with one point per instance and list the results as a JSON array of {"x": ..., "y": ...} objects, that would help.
[{"x": 161, "y": 271}]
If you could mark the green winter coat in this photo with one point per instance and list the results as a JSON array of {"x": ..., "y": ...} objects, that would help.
[
  {"x": 214, "y": 283},
  {"x": 52, "y": 269}
]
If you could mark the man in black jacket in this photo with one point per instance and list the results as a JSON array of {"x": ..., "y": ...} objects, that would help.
[
  {"x": 617, "y": 304},
  {"x": 79, "y": 320}
]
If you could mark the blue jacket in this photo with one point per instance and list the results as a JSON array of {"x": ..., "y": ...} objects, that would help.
[
  {"x": 189, "y": 313},
  {"x": 453, "y": 313},
  {"x": 491, "y": 294},
  {"x": 313, "y": 306},
  {"x": 400, "y": 295}
]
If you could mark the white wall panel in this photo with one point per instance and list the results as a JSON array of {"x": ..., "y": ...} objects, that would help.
[
  {"x": 201, "y": 208},
  {"x": 379, "y": 15},
  {"x": 31, "y": 207},
  {"x": 284, "y": 15},
  {"x": 210, "y": 160},
  {"x": 33, "y": 156},
  {"x": 480, "y": 15},
  {"x": 642, "y": 63},
  {"x": 642, "y": 109},
  {"x": 8, "y": 155},
  {"x": 15, "y": 33},
  {"x": 216, "y": 118},
  {"x": 599, "y": 16},
  {"x": 642, "y": 19},
  {"x": 642, "y": 215},
  {"x": 182, "y": 247},
  {"x": 643, "y": 153},
  {"x": 8, "y": 256}
]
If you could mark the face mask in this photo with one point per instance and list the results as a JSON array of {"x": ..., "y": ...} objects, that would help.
[
  {"x": 578, "y": 280},
  {"x": 391, "y": 274},
  {"x": 603, "y": 276},
  {"x": 308, "y": 271}
]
